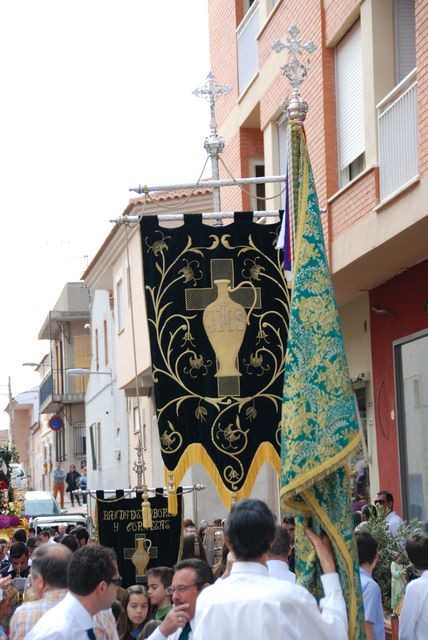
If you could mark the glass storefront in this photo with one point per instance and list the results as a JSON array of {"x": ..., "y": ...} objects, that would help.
[{"x": 411, "y": 360}]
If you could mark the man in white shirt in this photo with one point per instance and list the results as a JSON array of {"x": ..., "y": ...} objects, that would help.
[
  {"x": 190, "y": 578},
  {"x": 252, "y": 605},
  {"x": 384, "y": 502},
  {"x": 414, "y": 614},
  {"x": 92, "y": 578},
  {"x": 278, "y": 555}
]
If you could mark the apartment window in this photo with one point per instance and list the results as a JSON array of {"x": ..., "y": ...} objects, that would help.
[
  {"x": 60, "y": 445},
  {"x": 97, "y": 351},
  {"x": 405, "y": 38},
  {"x": 95, "y": 438},
  {"x": 411, "y": 360},
  {"x": 350, "y": 105},
  {"x": 136, "y": 420},
  {"x": 79, "y": 439},
  {"x": 128, "y": 284},
  {"x": 119, "y": 305},
  {"x": 258, "y": 191},
  {"x": 105, "y": 336}
]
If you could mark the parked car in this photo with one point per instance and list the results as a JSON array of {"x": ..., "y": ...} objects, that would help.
[{"x": 44, "y": 513}]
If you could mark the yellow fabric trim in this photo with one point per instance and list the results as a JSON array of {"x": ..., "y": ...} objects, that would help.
[
  {"x": 334, "y": 535},
  {"x": 304, "y": 480},
  {"x": 196, "y": 454}
]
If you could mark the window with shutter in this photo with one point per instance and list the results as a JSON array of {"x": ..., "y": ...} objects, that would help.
[
  {"x": 405, "y": 38},
  {"x": 350, "y": 105}
]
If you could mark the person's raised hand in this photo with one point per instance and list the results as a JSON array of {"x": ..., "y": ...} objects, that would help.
[
  {"x": 177, "y": 617},
  {"x": 323, "y": 550}
]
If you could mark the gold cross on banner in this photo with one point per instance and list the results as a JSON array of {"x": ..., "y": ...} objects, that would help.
[
  {"x": 140, "y": 555},
  {"x": 225, "y": 320}
]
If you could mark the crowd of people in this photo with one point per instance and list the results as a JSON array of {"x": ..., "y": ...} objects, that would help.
[
  {"x": 69, "y": 482},
  {"x": 71, "y": 587}
]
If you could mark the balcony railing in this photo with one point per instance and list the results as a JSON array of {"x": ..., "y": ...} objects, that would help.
[
  {"x": 60, "y": 388},
  {"x": 248, "y": 48},
  {"x": 398, "y": 137}
]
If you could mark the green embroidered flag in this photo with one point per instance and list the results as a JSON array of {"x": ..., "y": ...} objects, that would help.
[{"x": 319, "y": 423}]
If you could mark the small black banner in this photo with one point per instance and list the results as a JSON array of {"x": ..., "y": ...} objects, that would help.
[{"x": 120, "y": 526}]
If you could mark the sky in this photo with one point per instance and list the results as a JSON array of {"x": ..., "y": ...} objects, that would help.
[{"x": 96, "y": 97}]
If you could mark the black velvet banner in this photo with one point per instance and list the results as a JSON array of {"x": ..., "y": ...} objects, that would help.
[
  {"x": 120, "y": 526},
  {"x": 217, "y": 306}
]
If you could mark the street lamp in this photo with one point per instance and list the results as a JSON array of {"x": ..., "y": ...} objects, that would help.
[{"x": 86, "y": 372}]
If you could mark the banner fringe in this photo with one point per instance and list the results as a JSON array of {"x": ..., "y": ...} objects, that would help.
[{"x": 196, "y": 454}]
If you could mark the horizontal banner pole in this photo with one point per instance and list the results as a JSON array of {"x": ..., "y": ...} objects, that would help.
[
  {"x": 186, "y": 489},
  {"x": 208, "y": 184},
  {"x": 219, "y": 215}
]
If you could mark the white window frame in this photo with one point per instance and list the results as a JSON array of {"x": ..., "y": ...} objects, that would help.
[
  {"x": 120, "y": 305},
  {"x": 350, "y": 104}
]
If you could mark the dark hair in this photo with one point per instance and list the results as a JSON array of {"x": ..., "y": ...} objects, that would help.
[
  {"x": 417, "y": 550},
  {"x": 250, "y": 529},
  {"x": 31, "y": 530},
  {"x": 70, "y": 542},
  {"x": 163, "y": 573},
  {"x": 188, "y": 522},
  {"x": 45, "y": 532},
  {"x": 281, "y": 543},
  {"x": 220, "y": 567},
  {"x": 18, "y": 549},
  {"x": 135, "y": 589},
  {"x": 20, "y": 535},
  {"x": 288, "y": 519},
  {"x": 51, "y": 562},
  {"x": 203, "y": 571},
  {"x": 88, "y": 567},
  {"x": 80, "y": 533},
  {"x": 120, "y": 616},
  {"x": 367, "y": 547},
  {"x": 389, "y": 497},
  {"x": 193, "y": 547},
  {"x": 32, "y": 542},
  {"x": 356, "y": 518},
  {"x": 369, "y": 511}
]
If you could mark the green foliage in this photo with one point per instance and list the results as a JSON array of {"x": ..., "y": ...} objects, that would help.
[
  {"x": 8, "y": 455},
  {"x": 390, "y": 546}
]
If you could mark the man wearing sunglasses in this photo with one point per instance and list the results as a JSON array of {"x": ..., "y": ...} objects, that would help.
[
  {"x": 190, "y": 578},
  {"x": 384, "y": 503},
  {"x": 92, "y": 579}
]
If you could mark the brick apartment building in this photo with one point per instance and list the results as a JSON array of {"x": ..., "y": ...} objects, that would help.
[{"x": 367, "y": 131}]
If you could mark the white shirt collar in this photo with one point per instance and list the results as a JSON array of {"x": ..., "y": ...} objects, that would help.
[{"x": 249, "y": 567}]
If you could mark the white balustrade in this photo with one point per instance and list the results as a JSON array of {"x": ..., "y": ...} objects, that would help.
[{"x": 398, "y": 137}]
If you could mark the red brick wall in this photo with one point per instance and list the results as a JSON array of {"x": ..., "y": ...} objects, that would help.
[
  {"x": 244, "y": 147},
  {"x": 224, "y": 63},
  {"x": 337, "y": 12},
  {"x": 355, "y": 202}
]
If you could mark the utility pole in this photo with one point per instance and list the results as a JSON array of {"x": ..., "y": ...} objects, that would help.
[{"x": 10, "y": 411}]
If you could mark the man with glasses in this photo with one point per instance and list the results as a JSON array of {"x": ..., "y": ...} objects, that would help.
[
  {"x": 92, "y": 579},
  {"x": 384, "y": 503},
  {"x": 190, "y": 578}
]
